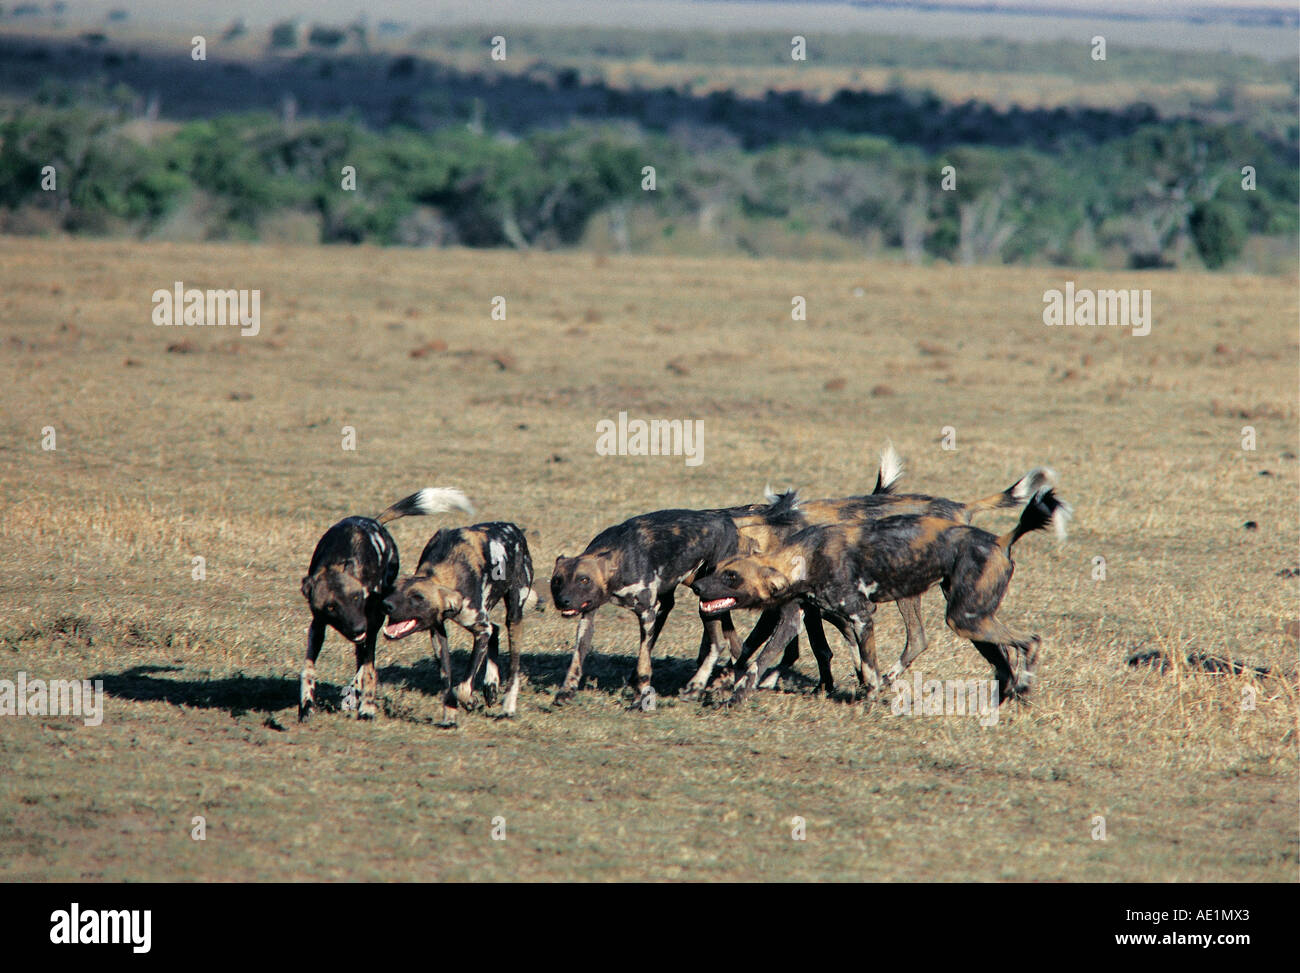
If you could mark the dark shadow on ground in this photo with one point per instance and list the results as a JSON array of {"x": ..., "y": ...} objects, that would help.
[
  {"x": 236, "y": 694},
  {"x": 239, "y": 694},
  {"x": 608, "y": 674}
]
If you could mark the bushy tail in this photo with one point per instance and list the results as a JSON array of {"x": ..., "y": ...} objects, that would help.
[
  {"x": 783, "y": 508},
  {"x": 430, "y": 500},
  {"x": 1035, "y": 481},
  {"x": 1043, "y": 509},
  {"x": 891, "y": 469}
]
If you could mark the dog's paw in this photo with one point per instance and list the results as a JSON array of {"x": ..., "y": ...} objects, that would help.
[
  {"x": 512, "y": 700},
  {"x": 491, "y": 693},
  {"x": 463, "y": 697},
  {"x": 306, "y": 695},
  {"x": 564, "y": 696}
]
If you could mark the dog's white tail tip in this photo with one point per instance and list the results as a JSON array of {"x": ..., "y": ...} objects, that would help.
[
  {"x": 891, "y": 466},
  {"x": 1061, "y": 520},
  {"x": 1035, "y": 481},
  {"x": 441, "y": 500}
]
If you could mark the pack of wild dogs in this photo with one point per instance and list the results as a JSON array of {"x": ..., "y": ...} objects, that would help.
[{"x": 794, "y": 561}]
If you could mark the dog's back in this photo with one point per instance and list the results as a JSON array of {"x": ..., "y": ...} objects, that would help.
[
  {"x": 906, "y": 554},
  {"x": 670, "y": 543},
  {"x": 364, "y": 544},
  {"x": 488, "y": 556}
]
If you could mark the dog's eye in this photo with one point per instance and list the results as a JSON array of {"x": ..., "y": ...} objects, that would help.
[
  {"x": 731, "y": 579},
  {"x": 416, "y": 596},
  {"x": 331, "y": 608},
  {"x": 583, "y": 582}
]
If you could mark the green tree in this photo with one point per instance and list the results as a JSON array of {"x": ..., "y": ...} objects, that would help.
[{"x": 1219, "y": 233}]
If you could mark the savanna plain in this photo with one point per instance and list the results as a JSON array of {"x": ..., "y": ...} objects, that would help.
[{"x": 174, "y": 443}]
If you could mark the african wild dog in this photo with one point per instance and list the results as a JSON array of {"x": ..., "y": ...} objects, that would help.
[
  {"x": 843, "y": 570},
  {"x": 637, "y": 565},
  {"x": 463, "y": 573},
  {"x": 352, "y": 571},
  {"x": 881, "y": 502},
  {"x": 759, "y": 527}
]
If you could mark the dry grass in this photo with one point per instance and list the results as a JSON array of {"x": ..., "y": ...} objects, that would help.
[{"x": 232, "y": 451}]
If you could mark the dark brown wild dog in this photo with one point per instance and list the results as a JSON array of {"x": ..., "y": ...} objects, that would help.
[
  {"x": 844, "y": 570},
  {"x": 352, "y": 571},
  {"x": 638, "y": 565},
  {"x": 463, "y": 573},
  {"x": 760, "y": 527},
  {"x": 882, "y": 502}
]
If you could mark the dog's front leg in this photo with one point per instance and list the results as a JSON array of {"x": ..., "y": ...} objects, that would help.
[
  {"x": 754, "y": 641},
  {"x": 652, "y": 620},
  {"x": 366, "y": 680},
  {"x": 710, "y": 651},
  {"x": 790, "y": 615},
  {"x": 438, "y": 634},
  {"x": 762, "y": 631},
  {"x": 581, "y": 646},
  {"x": 812, "y": 623},
  {"x": 463, "y": 694},
  {"x": 438, "y": 639},
  {"x": 307, "y": 682},
  {"x": 491, "y": 668},
  {"x": 515, "y": 635}
]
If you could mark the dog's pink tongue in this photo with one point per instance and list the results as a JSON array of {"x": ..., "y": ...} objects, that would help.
[{"x": 397, "y": 629}]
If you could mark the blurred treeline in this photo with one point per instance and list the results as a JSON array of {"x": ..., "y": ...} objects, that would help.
[{"x": 1110, "y": 189}]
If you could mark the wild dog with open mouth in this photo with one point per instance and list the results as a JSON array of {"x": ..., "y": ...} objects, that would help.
[
  {"x": 762, "y": 527},
  {"x": 463, "y": 573},
  {"x": 352, "y": 571},
  {"x": 758, "y": 527},
  {"x": 881, "y": 502},
  {"x": 844, "y": 570},
  {"x": 638, "y": 565}
]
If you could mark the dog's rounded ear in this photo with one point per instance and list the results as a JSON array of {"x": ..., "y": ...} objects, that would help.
[
  {"x": 562, "y": 556},
  {"x": 453, "y": 602},
  {"x": 307, "y": 582},
  {"x": 776, "y": 580}
]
